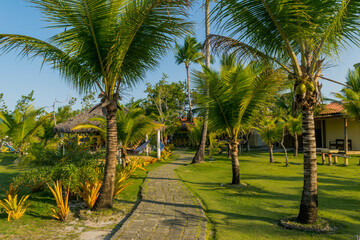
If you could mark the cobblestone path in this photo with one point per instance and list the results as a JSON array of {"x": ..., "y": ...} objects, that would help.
[{"x": 167, "y": 209}]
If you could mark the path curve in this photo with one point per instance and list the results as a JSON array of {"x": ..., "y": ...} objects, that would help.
[{"x": 167, "y": 209}]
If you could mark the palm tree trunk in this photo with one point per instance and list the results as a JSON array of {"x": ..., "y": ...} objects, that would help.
[
  {"x": 200, "y": 154},
  {"x": 271, "y": 147},
  {"x": 123, "y": 157},
  {"x": 189, "y": 96},
  {"x": 105, "y": 199},
  {"x": 235, "y": 162},
  {"x": 296, "y": 145},
  {"x": 309, "y": 199}
]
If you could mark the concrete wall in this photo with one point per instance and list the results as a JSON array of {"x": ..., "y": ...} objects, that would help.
[{"x": 334, "y": 128}]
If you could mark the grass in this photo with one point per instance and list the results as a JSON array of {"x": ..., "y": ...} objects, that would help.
[
  {"x": 273, "y": 192},
  {"x": 37, "y": 222}
]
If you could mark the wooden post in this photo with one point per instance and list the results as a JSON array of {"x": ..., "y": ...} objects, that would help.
[
  {"x": 147, "y": 145},
  {"x": 330, "y": 159},
  {"x": 346, "y": 160},
  {"x": 323, "y": 158},
  {"x": 346, "y": 137},
  {"x": 158, "y": 144},
  {"x": 335, "y": 159},
  {"x": 63, "y": 145}
]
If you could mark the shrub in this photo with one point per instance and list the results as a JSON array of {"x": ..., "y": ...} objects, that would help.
[
  {"x": 165, "y": 155},
  {"x": 62, "y": 205},
  {"x": 89, "y": 192},
  {"x": 13, "y": 208},
  {"x": 34, "y": 178}
]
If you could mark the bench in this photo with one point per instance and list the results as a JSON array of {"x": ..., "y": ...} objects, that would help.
[{"x": 335, "y": 153}]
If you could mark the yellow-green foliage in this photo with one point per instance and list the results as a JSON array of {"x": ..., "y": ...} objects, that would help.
[
  {"x": 89, "y": 192},
  {"x": 120, "y": 180},
  {"x": 13, "y": 208},
  {"x": 13, "y": 191},
  {"x": 165, "y": 155},
  {"x": 63, "y": 207},
  {"x": 134, "y": 164}
]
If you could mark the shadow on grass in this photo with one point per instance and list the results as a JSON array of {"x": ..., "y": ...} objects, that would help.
[{"x": 7, "y": 159}]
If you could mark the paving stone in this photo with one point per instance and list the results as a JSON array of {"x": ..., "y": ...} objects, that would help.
[{"x": 167, "y": 209}]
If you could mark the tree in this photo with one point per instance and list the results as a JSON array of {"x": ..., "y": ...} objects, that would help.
[
  {"x": 21, "y": 127},
  {"x": 200, "y": 153},
  {"x": 295, "y": 35},
  {"x": 350, "y": 96},
  {"x": 3, "y": 107},
  {"x": 236, "y": 96},
  {"x": 294, "y": 126},
  {"x": 24, "y": 102},
  {"x": 271, "y": 131},
  {"x": 189, "y": 53},
  {"x": 104, "y": 45},
  {"x": 88, "y": 101},
  {"x": 132, "y": 125}
]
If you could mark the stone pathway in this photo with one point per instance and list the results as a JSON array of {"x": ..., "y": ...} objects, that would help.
[{"x": 167, "y": 209}]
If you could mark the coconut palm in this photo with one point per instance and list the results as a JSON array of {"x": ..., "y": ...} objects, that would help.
[
  {"x": 132, "y": 125},
  {"x": 103, "y": 45},
  {"x": 237, "y": 94},
  {"x": 294, "y": 126},
  {"x": 296, "y": 35},
  {"x": 350, "y": 96},
  {"x": 200, "y": 153},
  {"x": 186, "y": 54},
  {"x": 271, "y": 132},
  {"x": 22, "y": 127}
]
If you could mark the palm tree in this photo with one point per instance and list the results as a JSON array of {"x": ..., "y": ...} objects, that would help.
[
  {"x": 295, "y": 35},
  {"x": 350, "y": 96},
  {"x": 271, "y": 132},
  {"x": 294, "y": 126},
  {"x": 132, "y": 125},
  {"x": 190, "y": 52},
  {"x": 236, "y": 96},
  {"x": 200, "y": 153},
  {"x": 22, "y": 127},
  {"x": 104, "y": 45}
]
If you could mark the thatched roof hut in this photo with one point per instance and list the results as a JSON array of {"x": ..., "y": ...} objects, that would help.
[{"x": 82, "y": 118}]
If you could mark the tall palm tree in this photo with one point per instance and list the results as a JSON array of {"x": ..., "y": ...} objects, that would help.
[
  {"x": 200, "y": 153},
  {"x": 104, "y": 44},
  {"x": 296, "y": 35},
  {"x": 189, "y": 53},
  {"x": 236, "y": 96},
  {"x": 271, "y": 131}
]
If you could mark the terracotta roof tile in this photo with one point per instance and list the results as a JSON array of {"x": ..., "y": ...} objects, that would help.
[{"x": 332, "y": 108}]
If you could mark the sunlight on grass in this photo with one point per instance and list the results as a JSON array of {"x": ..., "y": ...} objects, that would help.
[{"x": 273, "y": 192}]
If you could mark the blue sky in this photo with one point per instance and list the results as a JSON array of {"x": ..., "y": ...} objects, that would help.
[{"x": 20, "y": 76}]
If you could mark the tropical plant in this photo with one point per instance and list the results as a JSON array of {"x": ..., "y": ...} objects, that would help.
[
  {"x": 294, "y": 126},
  {"x": 200, "y": 153},
  {"x": 13, "y": 208},
  {"x": 13, "y": 190},
  {"x": 104, "y": 45},
  {"x": 120, "y": 181},
  {"x": 63, "y": 208},
  {"x": 271, "y": 131},
  {"x": 132, "y": 126},
  {"x": 350, "y": 96},
  {"x": 186, "y": 54},
  {"x": 89, "y": 192},
  {"x": 22, "y": 127},
  {"x": 295, "y": 35},
  {"x": 237, "y": 94}
]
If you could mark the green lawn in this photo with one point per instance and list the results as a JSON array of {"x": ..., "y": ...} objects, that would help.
[
  {"x": 273, "y": 192},
  {"x": 37, "y": 222}
]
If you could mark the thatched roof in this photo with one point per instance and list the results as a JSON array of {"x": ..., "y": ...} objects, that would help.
[
  {"x": 82, "y": 118},
  {"x": 67, "y": 126}
]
